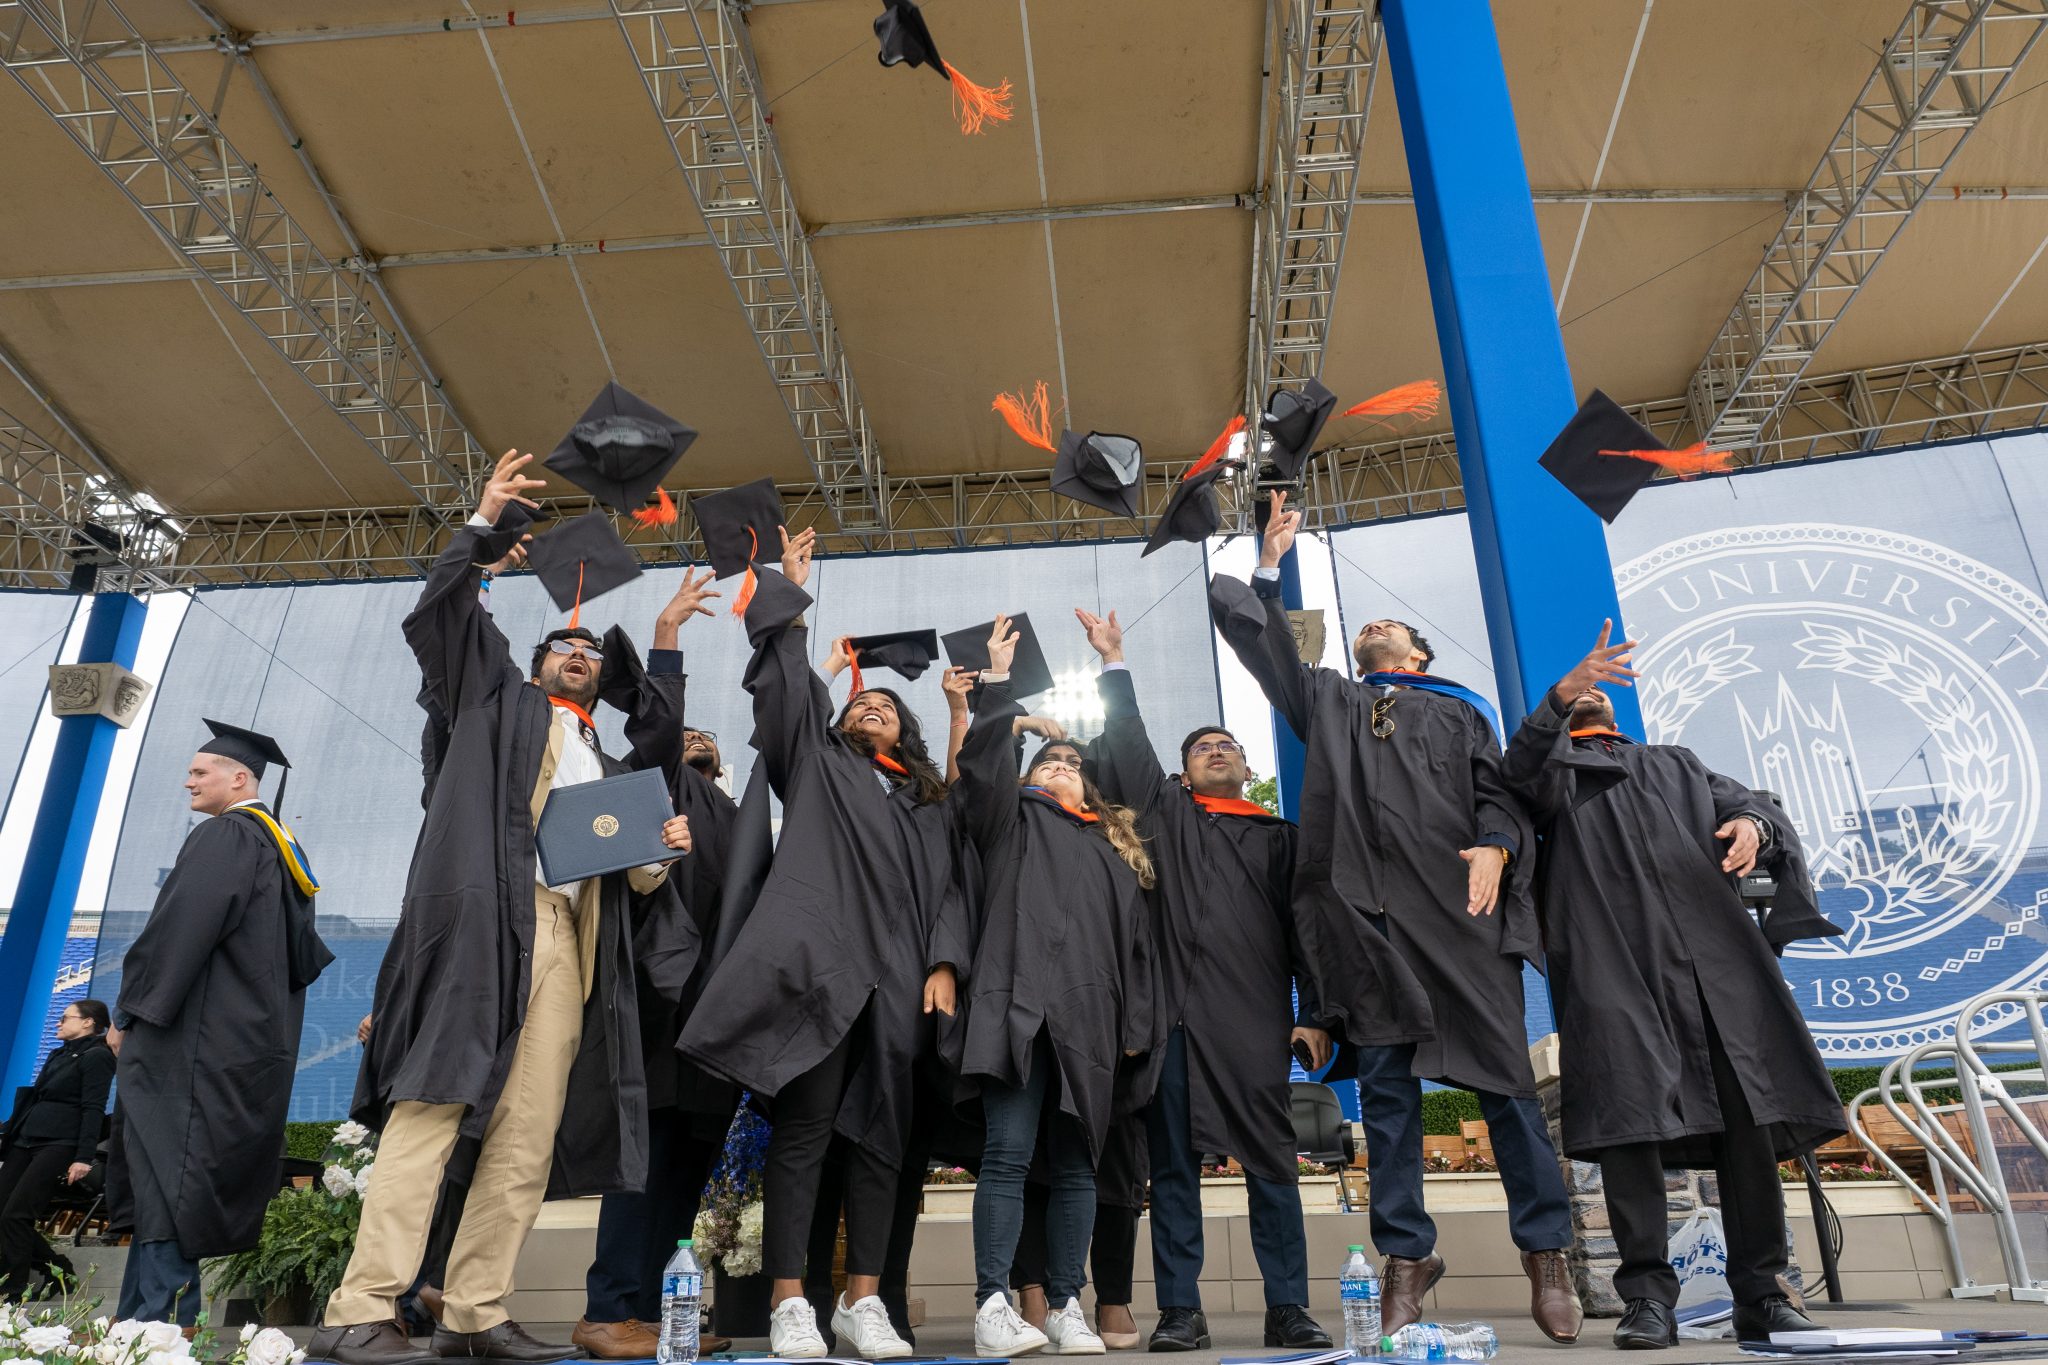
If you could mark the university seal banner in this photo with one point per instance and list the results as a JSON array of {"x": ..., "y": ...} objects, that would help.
[{"x": 1893, "y": 692}]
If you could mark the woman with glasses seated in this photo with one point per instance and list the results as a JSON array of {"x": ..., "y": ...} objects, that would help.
[
  {"x": 1060, "y": 995},
  {"x": 52, "y": 1140}
]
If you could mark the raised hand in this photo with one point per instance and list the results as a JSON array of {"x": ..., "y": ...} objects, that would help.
[
  {"x": 1742, "y": 846},
  {"x": 841, "y": 657},
  {"x": 1483, "y": 866},
  {"x": 958, "y": 684},
  {"x": 1606, "y": 666},
  {"x": 514, "y": 557},
  {"x": 1280, "y": 529},
  {"x": 1105, "y": 636},
  {"x": 1002, "y": 645},
  {"x": 1045, "y": 727},
  {"x": 506, "y": 486},
  {"x": 796, "y": 554},
  {"x": 689, "y": 601}
]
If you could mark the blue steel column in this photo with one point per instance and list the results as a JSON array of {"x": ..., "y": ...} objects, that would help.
[
  {"x": 41, "y": 918},
  {"x": 1543, "y": 566},
  {"x": 1289, "y": 755}
]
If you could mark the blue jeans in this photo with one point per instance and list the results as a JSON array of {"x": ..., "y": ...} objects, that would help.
[
  {"x": 1278, "y": 1240},
  {"x": 1390, "y": 1105},
  {"x": 1012, "y": 1115},
  {"x": 160, "y": 1280}
]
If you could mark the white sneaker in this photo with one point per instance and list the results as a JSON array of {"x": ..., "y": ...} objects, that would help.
[
  {"x": 1069, "y": 1333},
  {"x": 1000, "y": 1330},
  {"x": 793, "y": 1331},
  {"x": 866, "y": 1329}
]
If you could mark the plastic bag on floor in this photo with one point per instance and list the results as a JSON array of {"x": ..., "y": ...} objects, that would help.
[{"x": 1699, "y": 1255}]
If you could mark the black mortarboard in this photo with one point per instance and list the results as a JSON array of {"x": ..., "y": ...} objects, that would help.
[
  {"x": 1191, "y": 513},
  {"x": 620, "y": 450},
  {"x": 1294, "y": 418},
  {"x": 254, "y": 751},
  {"x": 1101, "y": 469},
  {"x": 1028, "y": 672},
  {"x": 740, "y": 526},
  {"x": 904, "y": 37},
  {"x": 580, "y": 560},
  {"x": 1603, "y": 482},
  {"x": 907, "y": 653}
]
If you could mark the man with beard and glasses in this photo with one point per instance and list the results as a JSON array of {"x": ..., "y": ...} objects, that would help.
[
  {"x": 1681, "y": 1045},
  {"x": 507, "y": 1007},
  {"x": 1410, "y": 840}
]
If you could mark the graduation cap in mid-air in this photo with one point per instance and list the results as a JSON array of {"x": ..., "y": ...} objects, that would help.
[
  {"x": 740, "y": 525},
  {"x": 620, "y": 450},
  {"x": 906, "y": 653},
  {"x": 1029, "y": 674},
  {"x": 1191, "y": 512},
  {"x": 580, "y": 560},
  {"x": 1604, "y": 456},
  {"x": 1292, "y": 420},
  {"x": 1099, "y": 468},
  {"x": 904, "y": 38},
  {"x": 252, "y": 750}
]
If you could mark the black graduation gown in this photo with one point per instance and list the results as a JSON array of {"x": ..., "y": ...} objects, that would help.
[
  {"x": 1641, "y": 924},
  {"x": 858, "y": 907},
  {"x": 1223, "y": 929},
  {"x": 1382, "y": 823},
  {"x": 671, "y": 1081},
  {"x": 1066, "y": 939},
  {"x": 215, "y": 1007},
  {"x": 451, "y": 995}
]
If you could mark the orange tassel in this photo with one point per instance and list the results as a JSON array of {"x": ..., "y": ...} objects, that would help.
[
  {"x": 662, "y": 513},
  {"x": 1420, "y": 399},
  {"x": 853, "y": 662},
  {"x": 746, "y": 592},
  {"x": 576, "y": 612},
  {"x": 1217, "y": 448},
  {"x": 1688, "y": 463},
  {"x": 1030, "y": 418},
  {"x": 975, "y": 104}
]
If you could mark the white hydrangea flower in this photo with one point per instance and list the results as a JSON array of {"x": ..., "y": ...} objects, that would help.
[
  {"x": 338, "y": 1181},
  {"x": 363, "y": 1179},
  {"x": 350, "y": 1134},
  {"x": 271, "y": 1347},
  {"x": 745, "y": 1257}
]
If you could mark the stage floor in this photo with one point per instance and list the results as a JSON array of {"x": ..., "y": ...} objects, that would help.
[{"x": 1238, "y": 1334}]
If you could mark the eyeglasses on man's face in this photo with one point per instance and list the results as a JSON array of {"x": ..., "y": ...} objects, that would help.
[{"x": 1217, "y": 746}]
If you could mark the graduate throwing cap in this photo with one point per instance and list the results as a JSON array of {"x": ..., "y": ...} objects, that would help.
[{"x": 213, "y": 995}]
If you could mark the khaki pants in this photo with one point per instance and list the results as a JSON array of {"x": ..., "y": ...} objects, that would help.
[{"x": 511, "y": 1170}]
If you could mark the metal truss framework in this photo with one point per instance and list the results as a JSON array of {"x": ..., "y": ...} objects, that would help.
[
  {"x": 1328, "y": 58},
  {"x": 162, "y": 147},
  {"x": 1949, "y": 398},
  {"x": 698, "y": 66},
  {"x": 48, "y": 498},
  {"x": 1936, "y": 79}
]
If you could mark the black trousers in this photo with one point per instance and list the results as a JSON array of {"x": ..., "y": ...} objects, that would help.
[
  {"x": 637, "y": 1233},
  {"x": 1112, "y": 1255},
  {"x": 1752, "y": 1201},
  {"x": 29, "y": 1181},
  {"x": 797, "y": 1151}
]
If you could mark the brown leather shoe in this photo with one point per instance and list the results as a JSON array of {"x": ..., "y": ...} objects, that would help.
[
  {"x": 628, "y": 1340},
  {"x": 367, "y": 1343},
  {"x": 711, "y": 1344},
  {"x": 1402, "y": 1284},
  {"x": 507, "y": 1341},
  {"x": 1553, "y": 1303}
]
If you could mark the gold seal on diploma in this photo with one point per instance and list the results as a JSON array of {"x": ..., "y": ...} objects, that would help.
[{"x": 605, "y": 826}]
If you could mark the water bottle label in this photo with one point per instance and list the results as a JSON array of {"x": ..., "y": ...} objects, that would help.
[{"x": 671, "y": 1285}]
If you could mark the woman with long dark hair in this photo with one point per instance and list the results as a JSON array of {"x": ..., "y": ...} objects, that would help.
[
  {"x": 858, "y": 933},
  {"x": 52, "y": 1140},
  {"x": 1062, "y": 994}
]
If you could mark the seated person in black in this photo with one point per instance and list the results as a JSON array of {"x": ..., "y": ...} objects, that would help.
[{"x": 52, "y": 1140}]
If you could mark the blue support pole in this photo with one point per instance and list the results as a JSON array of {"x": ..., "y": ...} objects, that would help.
[
  {"x": 1543, "y": 567},
  {"x": 41, "y": 917},
  {"x": 1289, "y": 755}
]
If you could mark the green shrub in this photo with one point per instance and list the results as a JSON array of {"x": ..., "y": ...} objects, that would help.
[
  {"x": 308, "y": 1141},
  {"x": 1444, "y": 1110},
  {"x": 1851, "y": 1081}
]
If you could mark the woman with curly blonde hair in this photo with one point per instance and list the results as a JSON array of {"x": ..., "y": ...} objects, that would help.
[{"x": 1060, "y": 995}]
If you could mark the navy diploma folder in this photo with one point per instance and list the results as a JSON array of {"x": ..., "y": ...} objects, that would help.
[{"x": 614, "y": 823}]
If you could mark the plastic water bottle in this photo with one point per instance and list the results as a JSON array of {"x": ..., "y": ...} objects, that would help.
[
  {"x": 1448, "y": 1341},
  {"x": 1359, "y": 1290},
  {"x": 682, "y": 1307}
]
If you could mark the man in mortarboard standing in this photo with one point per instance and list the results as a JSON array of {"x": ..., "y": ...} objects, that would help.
[
  {"x": 1229, "y": 953},
  {"x": 507, "y": 1008},
  {"x": 213, "y": 994},
  {"x": 1682, "y": 1046},
  {"x": 1410, "y": 837}
]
